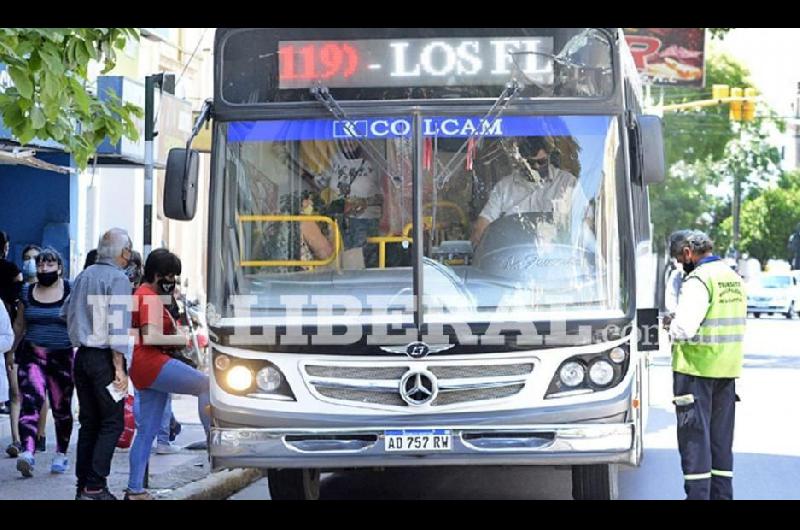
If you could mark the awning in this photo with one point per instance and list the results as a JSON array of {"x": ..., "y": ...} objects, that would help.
[{"x": 27, "y": 157}]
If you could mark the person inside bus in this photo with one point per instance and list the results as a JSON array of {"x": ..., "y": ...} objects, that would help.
[
  {"x": 353, "y": 179},
  {"x": 314, "y": 245},
  {"x": 535, "y": 185}
]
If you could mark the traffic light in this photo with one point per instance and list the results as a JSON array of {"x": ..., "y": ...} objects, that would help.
[
  {"x": 749, "y": 105},
  {"x": 720, "y": 91},
  {"x": 736, "y": 106}
]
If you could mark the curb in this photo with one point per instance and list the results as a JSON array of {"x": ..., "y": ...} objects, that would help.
[{"x": 216, "y": 486}]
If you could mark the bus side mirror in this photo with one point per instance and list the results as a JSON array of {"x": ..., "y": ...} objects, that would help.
[
  {"x": 180, "y": 184},
  {"x": 653, "y": 170}
]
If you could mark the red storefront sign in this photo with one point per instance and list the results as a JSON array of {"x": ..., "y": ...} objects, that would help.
[{"x": 668, "y": 56}]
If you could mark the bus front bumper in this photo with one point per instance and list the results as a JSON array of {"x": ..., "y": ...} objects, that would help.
[{"x": 562, "y": 444}]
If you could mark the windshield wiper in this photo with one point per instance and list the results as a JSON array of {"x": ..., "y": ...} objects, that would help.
[
  {"x": 323, "y": 95},
  {"x": 510, "y": 91}
]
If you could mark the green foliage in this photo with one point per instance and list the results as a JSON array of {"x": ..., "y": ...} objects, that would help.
[
  {"x": 766, "y": 224},
  {"x": 701, "y": 133},
  {"x": 750, "y": 158},
  {"x": 718, "y": 33},
  {"x": 704, "y": 151},
  {"x": 50, "y": 100},
  {"x": 683, "y": 200},
  {"x": 767, "y": 220}
]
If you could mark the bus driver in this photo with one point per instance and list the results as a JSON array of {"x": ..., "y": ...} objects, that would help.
[{"x": 535, "y": 185}]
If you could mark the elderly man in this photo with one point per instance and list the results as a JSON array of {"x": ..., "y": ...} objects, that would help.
[
  {"x": 707, "y": 355},
  {"x": 100, "y": 293}
]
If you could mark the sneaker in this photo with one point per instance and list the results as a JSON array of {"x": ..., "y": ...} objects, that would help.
[
  {"x": 14, "y": 449},
  {"x": 41, "y": 444},
  {"x": 143, "y": 496},
  {"x": 167, "y": 449},
  {"x": 102, "y": 495},
  {"x": 60, "y": 463},
  {"x": 25, "y": 463}
]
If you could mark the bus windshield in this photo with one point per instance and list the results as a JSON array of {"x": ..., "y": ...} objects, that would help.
[{"x": 519, "y": 215}]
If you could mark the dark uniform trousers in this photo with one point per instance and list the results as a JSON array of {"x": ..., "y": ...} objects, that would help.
[{"x": 705, "y": 435}]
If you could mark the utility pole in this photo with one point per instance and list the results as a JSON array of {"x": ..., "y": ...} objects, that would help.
[
  {"x": 737, "y": 205},
  {"x": 150, "y": 83},
  {"x": 740, "y": 111},
  {"x": 165, "y": 83}
]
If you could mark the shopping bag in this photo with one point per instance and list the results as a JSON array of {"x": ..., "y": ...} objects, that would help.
[{"x": 126, "y": 438}]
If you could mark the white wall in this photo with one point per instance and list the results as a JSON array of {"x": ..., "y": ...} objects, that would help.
[{"x": 113, "y": 198}]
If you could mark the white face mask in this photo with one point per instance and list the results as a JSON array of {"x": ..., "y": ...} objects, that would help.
[{"x": 29, "y": 268}]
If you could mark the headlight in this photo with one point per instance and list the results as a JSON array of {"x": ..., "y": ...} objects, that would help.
[
  {"x": 239, "y": 378},
  {"x": 601, "y": 373},
  {"x": 572, "y": 374},
  {"x": 617, "y": 355},
  {"x": 269, "y": 379},
  {"x": 222, "y": 362}
]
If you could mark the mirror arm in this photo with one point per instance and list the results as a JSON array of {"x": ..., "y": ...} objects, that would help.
[{"x": 205, "y": 114}]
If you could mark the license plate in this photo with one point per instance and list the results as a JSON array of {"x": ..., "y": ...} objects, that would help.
[{"x": 418, "y": 440}]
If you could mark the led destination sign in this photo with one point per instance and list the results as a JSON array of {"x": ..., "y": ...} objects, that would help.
[{"x": 413, "y": 62}]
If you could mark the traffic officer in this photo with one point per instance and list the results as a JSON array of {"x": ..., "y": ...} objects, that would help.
[{"x": 708, "y": 335}]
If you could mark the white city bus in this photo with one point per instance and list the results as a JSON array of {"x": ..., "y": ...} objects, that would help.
[{"x": 512, "y": 334}]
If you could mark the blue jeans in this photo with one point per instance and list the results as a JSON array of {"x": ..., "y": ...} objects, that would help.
[
  {"x": 175, "y": 378},
  {"x": 163, "y": 430}
]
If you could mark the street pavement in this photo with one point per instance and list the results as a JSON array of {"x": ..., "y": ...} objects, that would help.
[
  {"x": 167, "y": 472},
  {"x": 767, "y": 452}
]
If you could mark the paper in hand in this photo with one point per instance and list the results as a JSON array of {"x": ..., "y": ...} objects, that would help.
[{"x": 116, "y": 394}]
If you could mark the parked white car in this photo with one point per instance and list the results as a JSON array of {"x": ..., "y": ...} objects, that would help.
[{"x": 774, "y": 293}]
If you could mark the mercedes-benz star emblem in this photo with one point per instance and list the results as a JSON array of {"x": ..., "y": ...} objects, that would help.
[
  {"x": 417, "y": 350},
  {"x": 418, "y": 387}
]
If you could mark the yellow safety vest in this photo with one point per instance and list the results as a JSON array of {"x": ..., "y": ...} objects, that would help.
[{"x": 718, "y": 348}]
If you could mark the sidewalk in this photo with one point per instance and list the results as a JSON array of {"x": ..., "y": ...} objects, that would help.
[{"x": 167, "y": 472}]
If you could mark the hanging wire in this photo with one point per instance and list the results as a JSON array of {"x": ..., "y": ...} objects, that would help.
[{"x": 185, "y": 66}]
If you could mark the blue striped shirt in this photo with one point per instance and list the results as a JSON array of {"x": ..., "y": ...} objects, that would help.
[
  {"x": 101, "y": 294},
  {"x": 43, "y": 323}
]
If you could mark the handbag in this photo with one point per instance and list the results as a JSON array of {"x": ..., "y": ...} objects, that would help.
[
  {"x": 177, "y": 353},
  {"x": 179, "y": 356}
]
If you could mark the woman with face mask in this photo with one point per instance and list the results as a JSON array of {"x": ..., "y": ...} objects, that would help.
[
  {"x": 135, "y": 271},
  {"x": 29, "y": 254},
  {"x": 45, "y": 357},
  {"x": 154, "y": 371}
]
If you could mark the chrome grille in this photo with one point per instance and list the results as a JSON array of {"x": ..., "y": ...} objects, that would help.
[
  {"x": 459, "y": 383},
  {"x": 363, "y": 396},
  {"x": 357, "y": 372},
  {"x": 465, "y": 396},
  {"x": 472, "y": 370}
]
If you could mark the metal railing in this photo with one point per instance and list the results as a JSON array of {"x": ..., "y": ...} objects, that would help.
[{"x": 241, "y": 219}]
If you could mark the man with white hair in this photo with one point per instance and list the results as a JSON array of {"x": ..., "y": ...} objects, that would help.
[{"x": 99, "y": 295}]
